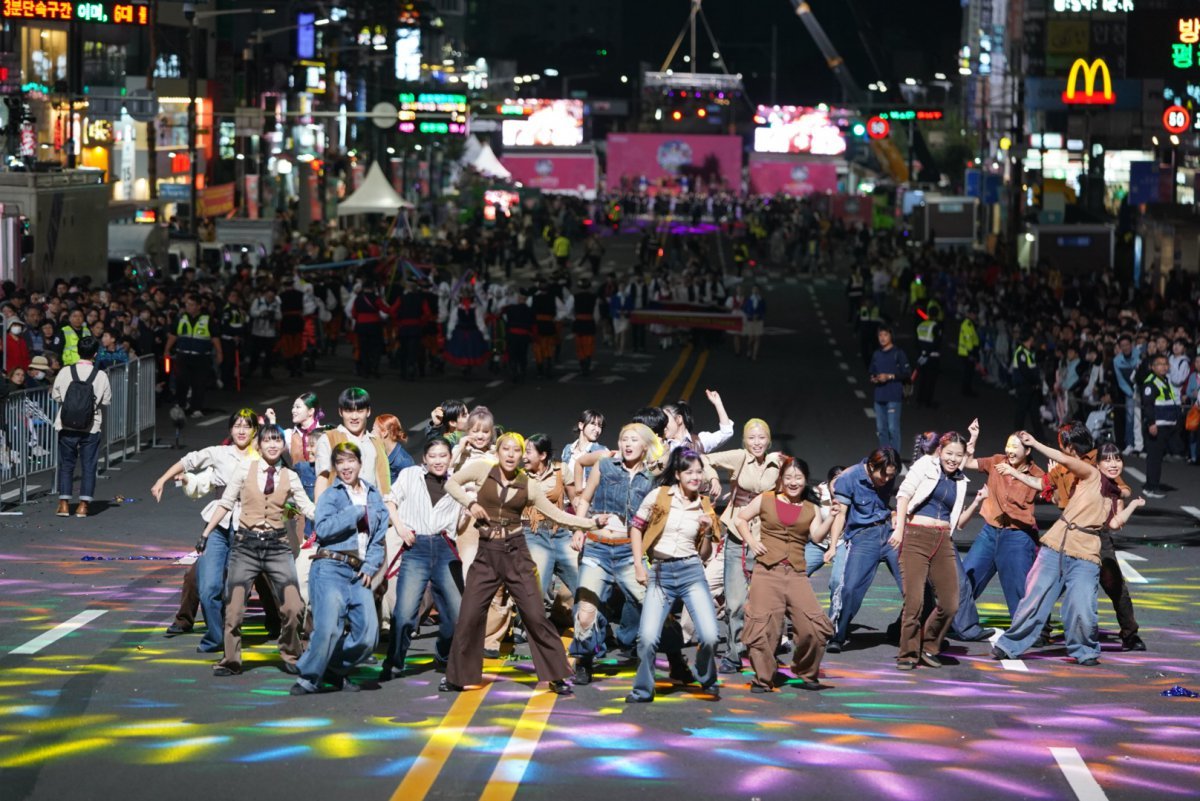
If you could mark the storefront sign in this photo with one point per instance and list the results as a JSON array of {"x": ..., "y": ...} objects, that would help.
[
  {"x": 1089, "y": 72},
  {"x": 433, "y": 113},
  {"x": 251, "y": 194},
  {"x": 215, "y": 201},
  {"x": 98, "y": 132},
  {"x": 106, "y": 13},
  {"x": 1090, "y": 6},
  {"x": 1184, "y": 53}
]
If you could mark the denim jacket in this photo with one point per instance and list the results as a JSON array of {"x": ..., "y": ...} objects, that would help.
[
  {"x": 620, "y": 493},
  {"x": 337, "y": 523},
  {"x": 866, "y": 505}
]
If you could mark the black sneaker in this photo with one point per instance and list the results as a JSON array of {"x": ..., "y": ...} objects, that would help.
[
  {"x": 728, "y": 668},
  {"x": 447, "y": 686},
  {"x": 583, "y": 673},
  {"x": 349, "y": 686},
  {"x": 290, "y": 668},
  {"x": 300, "y": 689},
  {"x": 1091, "y": 661},
  {"x": 998, "y": 653},
  {"x": 1040, "y": 642},
  {"x": 1133, "y": 643},
  {"x": 175, "y": 629},
  {"x": 983, "y": 635},
  {"x": 834, "y": 647},
  {"x": 682, "y": 673},
  {"x": 491, "y": 653},
  {"x": 560, "y": 687},
  {"x": 930, "y": 660},
  {"x": 637, "y": 699},
  {"x": 714, "y": 690},
  {"x": 759, "y": 689}
]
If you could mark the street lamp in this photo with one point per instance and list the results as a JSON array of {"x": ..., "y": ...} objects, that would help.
[{"x": 193, "y": 16}]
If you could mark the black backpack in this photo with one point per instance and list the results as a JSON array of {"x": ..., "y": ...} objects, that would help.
[{"x": 79, "y": 404}]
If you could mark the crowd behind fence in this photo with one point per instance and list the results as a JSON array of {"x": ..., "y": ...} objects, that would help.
[{"x": 29, "y": 443}]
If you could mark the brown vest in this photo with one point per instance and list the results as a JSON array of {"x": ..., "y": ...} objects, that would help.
[
  {"x": 504, "y": 506},
  {"x": 261, "y": 511},
  {"x": 554, "y": 494},
  {"x": 783, "y": 542},
  {"x": 661, "y": 510},
  {"x": 383, "y": 473}
]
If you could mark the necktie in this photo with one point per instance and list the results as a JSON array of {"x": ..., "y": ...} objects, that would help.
[{"x": 267, "y": 490}]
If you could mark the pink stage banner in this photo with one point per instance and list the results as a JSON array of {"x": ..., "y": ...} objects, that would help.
[
  {"x": 702, "y": 158},
  {"x": 852, "y": 209},
  {"x": 574, "y": 173},
  {"x": 792, "y": 177}
]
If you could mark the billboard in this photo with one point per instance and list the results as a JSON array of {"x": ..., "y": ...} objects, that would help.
[
  {"x": 799, "y": 129},
  {"x": 791, "y": 177},
  {"x": 530, "y": 122},
  {"x": 666, "y": 159},
  {"x": 573, "y": 173}
]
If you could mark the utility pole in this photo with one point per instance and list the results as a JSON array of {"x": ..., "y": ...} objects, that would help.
[
  {"x": 151, "y": 124},
  {"x": 193, "y": 215},
  {"x": 774, "y": 64}
]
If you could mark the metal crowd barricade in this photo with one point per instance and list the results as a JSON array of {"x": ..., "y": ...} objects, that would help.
[
  {"x": 30, "y": 443},
  {"x": 114, "y": 417},
  {"x": 145, "y": 416}
]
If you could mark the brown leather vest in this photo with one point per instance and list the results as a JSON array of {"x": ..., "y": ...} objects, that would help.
[
  {"x": 504, "y": 506},
  {"x": 783, "y": 542},
  {"x": 261, "y": 511}
]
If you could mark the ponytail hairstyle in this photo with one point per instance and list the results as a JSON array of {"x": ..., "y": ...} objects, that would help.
[
  {"x": 924, "y": 444},
  {"x": 541, "y": 443},
  {"x": 391, "y": 426},
  {"x": 482, "y": 415},
  {"x": 679, "y": 460},
  {"x": 787, "y": 463},
  {"x": 587, "y": 417},
  {"x": 682, "y": 410}
]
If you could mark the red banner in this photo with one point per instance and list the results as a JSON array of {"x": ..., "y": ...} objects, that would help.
[
  {"x": 794, "y": 177},
  {"x": 705, "y": 159},
  {"x": 716, "y": 321},
  {"x": 573, "y": 174},
  {"x": 852, "y": 209},
  {"x": 215, "y": 201}
]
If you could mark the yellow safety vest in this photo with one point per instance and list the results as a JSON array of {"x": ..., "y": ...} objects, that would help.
[
  {"x": 70, "y": 353},
  {"x": 925, "y": 331},
  {"x": 968, "y": 340}
]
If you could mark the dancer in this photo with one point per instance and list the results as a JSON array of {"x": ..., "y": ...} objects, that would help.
[
  {"x": 590, "y": 427},
  {"x": 787, "y": 521},
  {"x": 351, "y": 521},
  {"x": 752, "y": 471},
  {"x": 505, "y": 494},
  {"x": 928, "y": 506},
  {"x": 261, "y": 491},
  {"x": 1069, "y": 563},
  {"x": 391, "y": 434},
  {"x": 425, "y": 517},
  {"x": 675, "y": 529},
  {"x": 549, "y": 545}
]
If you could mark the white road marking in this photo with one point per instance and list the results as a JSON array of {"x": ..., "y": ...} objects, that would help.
[
  {"x": 1191, "y": 510},
  {"x": 843, "y": 366},
  {"x": 496, "y": 383},
  {"x": 837, "y": 353},
  {"x": 1015, "y": 665},
  {"x": 1077, "y": 774},
  {"x": 322, "y": 382},
  {"x": 1138, "y": 474},
  {"x": 852, "y": 379},
  {"x": 468, "y": 399},
  {"x": 869, "y": 413},
  {"x": 16, "y": 493},
  {"x": 210, "y": 422},
  {"x": 1131, "y": 575},
  {"x": 567, "y": 377},
  {"x": 274, "y": 400},
  {"x": 858, "y": 393},
  {"x": 58, "y": 632}
]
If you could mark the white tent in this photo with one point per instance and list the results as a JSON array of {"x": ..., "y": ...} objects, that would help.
[
  {"x": 375, "y": 196},
  {"x": 487, "y": 163}
]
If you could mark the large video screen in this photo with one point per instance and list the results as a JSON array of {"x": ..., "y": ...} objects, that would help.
[
  {"x": 530, "y": 122},
  {"x": 799, "y": 129}
]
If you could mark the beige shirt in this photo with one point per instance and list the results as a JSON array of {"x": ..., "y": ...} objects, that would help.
[
  {"x": 322, "y": 459},
  {"x": 296, "y": 493},
  {"x": 750, "y": 475},
  {"x": 225, "y": 461},
  {"x": 100, "y": 388},
  {"x": 683, "y": 524}
]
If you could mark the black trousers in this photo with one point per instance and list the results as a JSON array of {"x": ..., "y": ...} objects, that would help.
[
  {"x": 412, "y": 356},
  {"x": 231, "y": 362},
  {"x": 264, "y": 355},
  {"x": 1029, "y": 401},
  {"x": 370, "y": 347},
  {"x": 1115, "y": 587},
  {"x": 927, "y": 377},
  {"x": 504, "y": 563},
  {"x": 192, "y": 375},
  {"x": 518, "y": 354},
  {"x": 1156, "y": 449}
]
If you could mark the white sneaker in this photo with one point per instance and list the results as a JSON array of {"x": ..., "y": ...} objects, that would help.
[
  {"x": 196, "y": 415},
  {"x": 1128, "y": 450},
  {"x": 1153, "y": 494}
]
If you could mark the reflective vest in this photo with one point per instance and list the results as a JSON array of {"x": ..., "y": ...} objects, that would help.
[
  {"x": 1166, "y": 400},
  {"x": 1030, "y": 358},
  {"x": 968, "y": 339},
  {"x": 927, "y": 332},
  {"x": 70, "y": 353},
  {"x": 934, "y": 310},
  {"x": 194, "y": 336}
]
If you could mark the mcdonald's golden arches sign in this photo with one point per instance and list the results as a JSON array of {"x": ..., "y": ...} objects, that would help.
[{"x": 1089, "y": 73}]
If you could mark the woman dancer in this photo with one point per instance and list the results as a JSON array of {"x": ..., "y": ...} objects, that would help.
[
  {"x": 549, "y": 545},
  {"x": 928, "y": 506},
  {"x": 1069, "y": 563},
  {"x": 752, "y": 471},
  {"x": 590, "y": 427},
  {"x": 788, "y": 521},
  {"x": 675, "y": 528},
  {"x": 393, "y": 436},
  {"x": 505, "y": 494}
]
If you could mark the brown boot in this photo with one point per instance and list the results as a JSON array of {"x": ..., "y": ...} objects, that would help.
[
  {"x": 64, "y": 508},
  {"x": 82, "y": 509}
]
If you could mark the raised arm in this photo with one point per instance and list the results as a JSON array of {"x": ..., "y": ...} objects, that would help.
[
  {"x": 971, "y": 463},
  {"x": 1124, "y": 512},
  {"x": 1077, "y": 466}
]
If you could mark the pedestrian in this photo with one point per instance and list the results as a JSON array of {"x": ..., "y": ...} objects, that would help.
[
  {"x": 1125, "y": 366},
  {"x": 1068, "y": 564},
  {"x": 1027, "y": 381},
  {"x": 587, "y": 312},
  {"x": 754, "y": 311},
  {"x": 674, "y": 529},
  {"x": 545, "y": 340},
  {"x": 505, "y": 494},
  {"x": 16, "y": 346},
  {"x": 350, "y": 520},
  {"x": 233, "y": 335},
  {"x": 82, "y": 391},
  {"x": 788, "y": 522},
  {"x": 518, "y": 333},
  {"x": 425, "y": 517},
  {"x": 71, "y": 334},
  {"x": 929, "y": 360},
  {"x": 264, "y": 491},
  {"x": 265, "y": 314},
  {"x": 193, "y": 343},
  {"x": 467, "y": 344},
  {"x": 928, "y": 506},
  {"x": 1161, "y": 415},
  {"x": 890, "y": 372},
  {"x": 968, "y": 351}
]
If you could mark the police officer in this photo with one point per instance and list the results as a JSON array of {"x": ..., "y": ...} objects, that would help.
[
  {"x": 191, "y": 345},
  {"x": 1027, "y": 380},
  {"x": 929, "y": 363},
  {"x": 1160, "y": 414},
  {"x": 968, "y": 351},
  {"x": 72, "y": 332},
  {"x": 233, "y": 331}
]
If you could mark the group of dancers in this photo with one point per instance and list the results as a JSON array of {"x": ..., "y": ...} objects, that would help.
[{"x": 342, "y": 533}]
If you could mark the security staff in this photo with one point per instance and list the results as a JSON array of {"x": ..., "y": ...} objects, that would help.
[
  {"x": 929, "y": 362},
  {"x": 587, "y": 310},
  {"x": 72, "y": 332},
  {"x": 191, "y": 345},
  {"x": 233, "y": 331},
  {"x": 1160, "y": 414},
  {"x": 1027, "y": 380},
  {"x": 968, "y": 351}
]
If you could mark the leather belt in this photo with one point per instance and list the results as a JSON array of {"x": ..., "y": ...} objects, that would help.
[
  {"x": 741, "y": 497},
  {"x": 594, "y": 537},
  {"x": 269, "y": 535},
  {"x": 340, "y": 556},
  {"x": 498, "y": 531}
]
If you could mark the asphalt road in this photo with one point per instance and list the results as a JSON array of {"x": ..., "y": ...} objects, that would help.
[{"x": 112, "y": 709}]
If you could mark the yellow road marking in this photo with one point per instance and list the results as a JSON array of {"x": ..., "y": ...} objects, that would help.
[
  {"x": 665, "y": 386},
  {"x": 515, "y": 759},
  {"x": 424, "y": 772},
  {"x": 690, "y": 386}
]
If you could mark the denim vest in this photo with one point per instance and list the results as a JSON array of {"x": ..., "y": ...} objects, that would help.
[{"x": 619, "y": 493}]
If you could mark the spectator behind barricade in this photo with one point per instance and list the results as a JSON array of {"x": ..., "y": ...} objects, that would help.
[
  {"x": 39, "y": 374},
  {"x": 81, "y": 391},
  {"x": 16, "y": 346},
  {"x": 111, "y": 353}
]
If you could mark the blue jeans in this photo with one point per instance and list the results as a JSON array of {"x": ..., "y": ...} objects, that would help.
[
  {"x": 1007, "y": 551},
  {"x": 965, "y": 625},
  {"x": 887, "y": 424},
  {"x": 429, "y": 559},
  {"x": 739, "y": 564},
  {"x": 554, "y": 556},
  {"x": 210, "y": 582},
  {"x": 1054, "y": 574},
  {"x": 308, "y": 479},
  {"x": 671, "y": 582},
  {"x": 838, "y": 573},
  {"x": 337, "y": 597},
  {"x": 85, "y": 448},
  {"x": 601, "y": 567},
  {"x": 865, "y": 549},
  {"x": 814, "y": 558}
]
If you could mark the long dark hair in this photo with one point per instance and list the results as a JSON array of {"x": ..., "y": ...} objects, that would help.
[
  {"x": 924, "y": 444},
  {"x": 787, "y": 463},
  {"x": 681, "y": 459}
]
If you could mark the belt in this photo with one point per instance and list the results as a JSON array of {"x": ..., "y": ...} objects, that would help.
[
  {"x": 594, "y": 537},
  {"x": 340, "y": 556},
  {"x": 269, "y": 535},
  {"x": 498, "y": 531},
  {"x": 1093, "y": 530},
  {"x": 667, "y": 560},
  {"x": 519, "y": 332}
]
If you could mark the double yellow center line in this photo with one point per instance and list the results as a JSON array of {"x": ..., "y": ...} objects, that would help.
[{"x": 684, "y": 357}]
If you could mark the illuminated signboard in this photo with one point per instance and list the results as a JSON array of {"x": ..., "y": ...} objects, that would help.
[
  {"x": 314, "y": 76},
  {"x": 1177, "y": 119},
  {"x": 918, "y": 114},
  {"x": 799, "y": 129},
  {"x": 541, "y": 123},
  {"x": 433, "y": 113},
  {"x": 1090, "y": 6},
  {"x": 1184, "y": 52},
  {"x": 1089, "y": 73},
  {"x": 107, "y": 13}
]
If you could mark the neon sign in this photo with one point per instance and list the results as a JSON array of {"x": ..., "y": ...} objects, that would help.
[
  {"x": 1183, "y": 52},
  {"x": 918, "y": 114},
  {"x": 433, "y": 113},
  {"x": 1089, "y": 97},
  {"x": 1088, "y": 6},
  {"x": 105, "y": 13}
]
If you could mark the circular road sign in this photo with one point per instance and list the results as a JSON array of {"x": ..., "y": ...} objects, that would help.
[
  {"x": 878, "y": 128},
  {"x": 1177, "y": 119}
]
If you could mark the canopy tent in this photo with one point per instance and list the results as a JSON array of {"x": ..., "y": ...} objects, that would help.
[
  {"x": 375, "y": 196},
  {"x": 482, "y": 159}
]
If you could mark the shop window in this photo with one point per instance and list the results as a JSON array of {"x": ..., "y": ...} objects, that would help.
[{"x": 43, "y": 55}]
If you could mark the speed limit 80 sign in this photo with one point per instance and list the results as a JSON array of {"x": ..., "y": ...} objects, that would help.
[
  {"x": 878, "y": 128},
  {"x": 1177, "y": 119}
]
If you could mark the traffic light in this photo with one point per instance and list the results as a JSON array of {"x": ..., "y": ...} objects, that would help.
[{"x": 859, "y": 130}]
